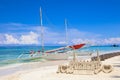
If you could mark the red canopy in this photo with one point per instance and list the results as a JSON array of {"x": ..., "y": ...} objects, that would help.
[{"x": 77, "y": 46}]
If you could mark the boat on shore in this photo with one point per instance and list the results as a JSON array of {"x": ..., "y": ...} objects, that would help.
[
  {"x": 55, "y": 54},
  {"x": 61, "y": 53}
]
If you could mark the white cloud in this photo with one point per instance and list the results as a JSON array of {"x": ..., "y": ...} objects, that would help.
[
  {"x": 10, "y": 39},
  {"x": 31, "y": 38},
  {"x": 97, "y": 41},
  {"x": 75, "y": 36},
  {"x": 61, "y": 42},
  {"x": 81, "y": 34},
  {"x": 1, "y": 39},
  {"x": 112, "y": 40},
  {"x": 51, "y": 36}
]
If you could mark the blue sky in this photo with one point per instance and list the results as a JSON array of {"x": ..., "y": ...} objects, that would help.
[{"x": 88, "y": 20}]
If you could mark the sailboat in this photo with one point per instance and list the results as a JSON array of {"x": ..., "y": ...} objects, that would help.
[
  {"x": 60, "y": 53},
  {"x": 56, "y": 54}
]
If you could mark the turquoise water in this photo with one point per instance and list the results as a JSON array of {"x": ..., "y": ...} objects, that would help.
[
  {"x": 101, "y": 48},
  {"x": 9, "y": 54}
]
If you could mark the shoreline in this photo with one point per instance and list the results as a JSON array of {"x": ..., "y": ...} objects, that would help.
[
  {"x": 14, "y": 68},
  {"x": 13, "y": 71}
]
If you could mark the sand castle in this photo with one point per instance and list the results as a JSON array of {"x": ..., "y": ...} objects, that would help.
[{"x": 84, "y": 67}]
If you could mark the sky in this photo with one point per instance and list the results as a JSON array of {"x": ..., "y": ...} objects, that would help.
[{"x": 88, "y": 21}]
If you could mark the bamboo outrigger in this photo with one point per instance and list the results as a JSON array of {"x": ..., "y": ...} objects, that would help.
[{"x": 84, "y": 67}]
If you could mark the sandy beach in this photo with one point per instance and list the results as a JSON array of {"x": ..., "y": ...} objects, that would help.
[
  {"x": 47, "y": 71},
  {"x": 59, "y": 40}
]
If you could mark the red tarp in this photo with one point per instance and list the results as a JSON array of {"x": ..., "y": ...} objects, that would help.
[{"x": 77, "y": 46}]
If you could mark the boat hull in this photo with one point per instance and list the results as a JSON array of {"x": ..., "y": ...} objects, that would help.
[{"x": 60, "y": 56}]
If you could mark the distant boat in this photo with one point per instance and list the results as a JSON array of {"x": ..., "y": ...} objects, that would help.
[{"x": 115, "y": 45}]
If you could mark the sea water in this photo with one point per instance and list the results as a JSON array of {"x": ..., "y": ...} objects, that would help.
[{"x": 10, "y": 54}]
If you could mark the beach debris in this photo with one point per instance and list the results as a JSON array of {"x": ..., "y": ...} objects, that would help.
[{"x": 84, "y": 67}]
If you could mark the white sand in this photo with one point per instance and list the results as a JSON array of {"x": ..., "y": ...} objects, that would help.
[{"x": 48, "y": 72}]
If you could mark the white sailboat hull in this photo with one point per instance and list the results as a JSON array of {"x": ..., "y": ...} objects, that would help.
[{"x": 59, "y": 56}]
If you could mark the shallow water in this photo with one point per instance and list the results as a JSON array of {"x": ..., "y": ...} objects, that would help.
[{"x": 9, "y": 54}]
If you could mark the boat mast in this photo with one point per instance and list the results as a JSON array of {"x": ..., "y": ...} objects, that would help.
[
  {"x": 66, "y": 34},
  {"x": 42, "y": 30}
]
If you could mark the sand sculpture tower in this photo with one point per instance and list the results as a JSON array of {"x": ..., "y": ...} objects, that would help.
[{"x": 84, "y": 67}]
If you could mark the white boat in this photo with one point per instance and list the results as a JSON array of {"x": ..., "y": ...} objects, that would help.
[
  {"x": 61, "y": 53},
  {"x": 55, "y": 54}
]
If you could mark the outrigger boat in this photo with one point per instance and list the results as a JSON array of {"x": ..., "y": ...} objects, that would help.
[
  {"x": 55, "y": 54},
  {"x": 61, "y": 53}
]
